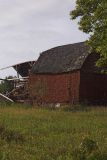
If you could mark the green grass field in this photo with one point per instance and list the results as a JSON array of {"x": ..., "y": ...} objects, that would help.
[{"x": 43, "y": 134}]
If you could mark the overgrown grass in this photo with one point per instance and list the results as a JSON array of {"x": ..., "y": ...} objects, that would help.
[{"x": 28, "y": 133}]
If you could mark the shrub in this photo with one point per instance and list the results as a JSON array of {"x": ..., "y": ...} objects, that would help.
[{"x": 88, "y": 150}]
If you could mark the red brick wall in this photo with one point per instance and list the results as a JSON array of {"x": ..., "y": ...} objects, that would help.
[{"x": 59, "y": 88}]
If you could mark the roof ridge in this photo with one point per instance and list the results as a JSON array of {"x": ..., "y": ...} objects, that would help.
[{"x": 60, "y": 46}]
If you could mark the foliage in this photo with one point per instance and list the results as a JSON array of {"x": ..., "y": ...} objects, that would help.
[
  {"x": 93, "y": 20},
  {"x": 88, "y": 150},
  {"x": 6, "y": 86}
]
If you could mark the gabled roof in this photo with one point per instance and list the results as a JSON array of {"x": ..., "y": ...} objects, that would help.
[{"x": 62, "y": 59}]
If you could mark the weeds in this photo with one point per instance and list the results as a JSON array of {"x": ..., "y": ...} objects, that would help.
[
  {"x": 75, "y": 108},
  {"x": 10, "y": 135},
  {"x": 88, "y": 150},
  {"x": 45, "y": 134}
]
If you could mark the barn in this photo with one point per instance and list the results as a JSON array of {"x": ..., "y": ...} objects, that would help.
[{"x": 68, "y": 74}]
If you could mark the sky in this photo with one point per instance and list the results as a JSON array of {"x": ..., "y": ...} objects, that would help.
[{"x": 29, "y": 27}]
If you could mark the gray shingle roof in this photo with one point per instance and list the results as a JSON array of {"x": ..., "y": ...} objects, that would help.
[{"x": 62, "y": 59}]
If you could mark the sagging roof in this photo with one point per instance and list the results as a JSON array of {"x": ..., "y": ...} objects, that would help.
[
  {"x": 62, "y": 59},
  {"x": 23, "y": 68}
]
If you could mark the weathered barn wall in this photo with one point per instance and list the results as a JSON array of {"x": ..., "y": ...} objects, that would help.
[
  {"x": 93, "y": 84},
  {"x": 56, "y": 88},
  {"x": 93, "y": 88}
]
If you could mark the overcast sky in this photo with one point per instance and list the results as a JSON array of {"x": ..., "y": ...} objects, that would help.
[{"x": 28, "y": 27}]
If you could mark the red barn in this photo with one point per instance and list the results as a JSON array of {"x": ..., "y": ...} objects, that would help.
[{"x": 68, "y": 74}]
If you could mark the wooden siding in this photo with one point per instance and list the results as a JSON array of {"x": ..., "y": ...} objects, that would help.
[
  {"x": 93, "y": 84},
  {"x": 93, "y": 88}
]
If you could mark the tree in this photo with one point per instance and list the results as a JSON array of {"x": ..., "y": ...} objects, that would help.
[
  {"x": 92, "y": 16},
  {"x": 6, "y": 86}
]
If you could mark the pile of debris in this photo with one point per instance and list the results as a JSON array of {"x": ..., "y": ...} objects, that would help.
[{"x": 20, "y": 92}]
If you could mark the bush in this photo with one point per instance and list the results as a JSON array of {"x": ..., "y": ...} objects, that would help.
[
  {"x": 6, "y": 86},
  {"x": 88, "y": 150}
]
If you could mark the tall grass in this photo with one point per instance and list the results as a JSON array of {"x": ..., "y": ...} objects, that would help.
[{"x": 43, "y": 134}]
